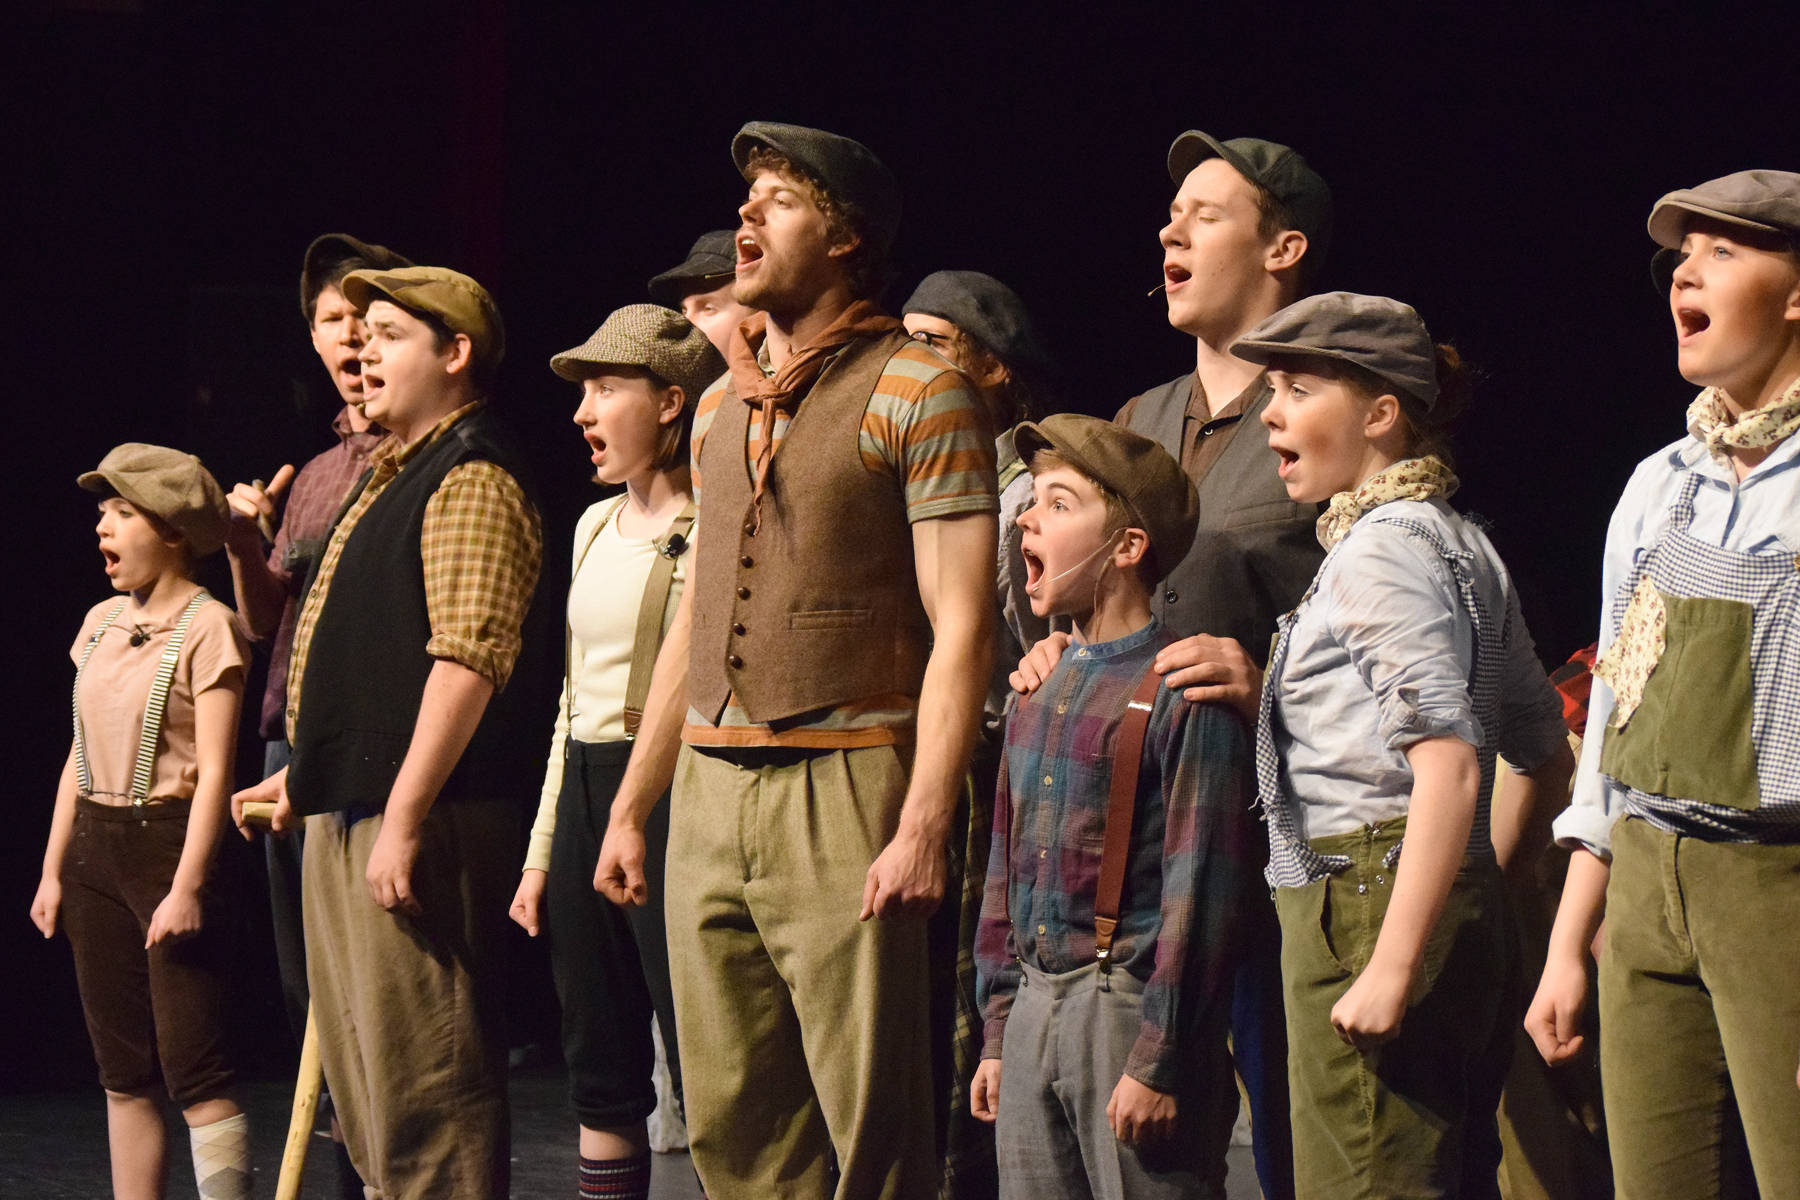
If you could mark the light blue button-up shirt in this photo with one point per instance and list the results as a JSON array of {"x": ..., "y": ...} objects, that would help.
[
  {"x": 1758, "y": 515},
  {"x": 1381, "y": 655}
]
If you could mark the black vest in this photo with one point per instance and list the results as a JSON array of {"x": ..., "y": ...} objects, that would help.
[{"x": 366, "y": 664}]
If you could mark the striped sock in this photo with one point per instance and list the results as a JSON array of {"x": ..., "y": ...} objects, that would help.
[
  {"x": 222, "y": 1158},
  {"x": 615, "y": 1178}
]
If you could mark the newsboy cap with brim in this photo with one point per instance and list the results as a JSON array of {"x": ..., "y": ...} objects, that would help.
[
  {"x": 1277, "y": 169},
  {"x": 328, "y": 252},
  {"x": 847, "y": 170},
  {"x": 173, "y": 486},
  {"x": 985, "y": 309},
  {"x": 450, "y": 296},
  {"x": 1765, "y": 201},
  {"x": 1382, "y": 336},
  {"x": 1158, "y": 495},
  {"x": 648, "y": 336},
  {"x": 711, "y": 261}
]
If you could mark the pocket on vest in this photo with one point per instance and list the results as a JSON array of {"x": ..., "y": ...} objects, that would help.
[{"x": 831, "y": 618}]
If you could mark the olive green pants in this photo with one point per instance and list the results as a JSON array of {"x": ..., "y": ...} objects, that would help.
[
  {"x": 804, "y": 1031},
  {"x": 1414, "y": 1117},
  {"x": 1700, "y": 1016}
]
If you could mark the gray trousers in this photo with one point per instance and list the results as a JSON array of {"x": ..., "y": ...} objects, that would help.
[{"x": 1067, "y": 1039}]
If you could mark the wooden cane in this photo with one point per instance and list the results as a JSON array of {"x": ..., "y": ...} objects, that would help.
[{"x": 306, "y": 1109}]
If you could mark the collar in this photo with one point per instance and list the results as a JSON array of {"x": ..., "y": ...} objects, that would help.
[
  {"x": 340, "y": 425},
  {"x": 1134, "y": 641},
  {"x": 392, "y": 454}
]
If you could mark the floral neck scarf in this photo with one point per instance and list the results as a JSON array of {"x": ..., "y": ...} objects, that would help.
[
  {"x": 1710, "y": 420},
  {"x": 1408, "y": 479}
]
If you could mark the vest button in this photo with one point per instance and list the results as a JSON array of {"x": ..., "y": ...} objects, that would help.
[
  {"x": 749, "y": 531},
  {"x": 737, "y": 627},
  {"x": 734, "y": 662},
  {"x": 743, "y": 593},
  {"x": 1171, "y": 596},
  {"x": 746, "y": 561}
]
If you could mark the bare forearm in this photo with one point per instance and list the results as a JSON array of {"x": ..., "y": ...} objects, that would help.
[
  {"x": 261, "y": 593},
  {"x": 449, "y": 710},
  {"x": 215, "y": 740},
  {"x": 1582, "y": 906},
  {"x": 1439, "y": 816},
  {"x": 62, "y": 821},
  {"x": 949, "y": 720},
  {"x": 652, "y": 767}
]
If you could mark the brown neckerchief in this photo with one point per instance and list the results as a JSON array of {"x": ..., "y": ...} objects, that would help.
[{"x": 777, "y": 394}]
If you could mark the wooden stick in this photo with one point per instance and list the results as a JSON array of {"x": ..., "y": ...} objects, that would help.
[{"x": 306, "y": 1109}]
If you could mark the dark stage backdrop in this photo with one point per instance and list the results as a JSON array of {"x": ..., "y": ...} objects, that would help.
[{"x": 170, "y": 161}]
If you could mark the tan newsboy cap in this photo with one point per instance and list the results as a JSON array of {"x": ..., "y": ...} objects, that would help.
[
  {"x": 172, "y": 485},
  {"x": 450, "y": 296},
  {"x": 1382, "y": 336},
  {"x": 1766, "y": 201},
  {"x": 1157, "y": 492},
  {"x": 648, "y": 336}
]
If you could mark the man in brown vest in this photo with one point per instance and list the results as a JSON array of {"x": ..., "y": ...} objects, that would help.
[{"x": 825, "y": 671}]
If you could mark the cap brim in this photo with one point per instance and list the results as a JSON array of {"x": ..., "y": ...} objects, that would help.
[
  {"x": 1028, "y": 439},
  {"x": 1194, "y": 147},
  {"x": 671, "y": 287},
  {"x": 1668, "y": 220}
]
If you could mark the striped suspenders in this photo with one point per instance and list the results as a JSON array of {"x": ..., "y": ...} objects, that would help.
[{"x": 151, "y": 732}]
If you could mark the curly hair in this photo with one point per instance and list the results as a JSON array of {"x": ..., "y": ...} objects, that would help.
[{"x": 866, "y": 269}]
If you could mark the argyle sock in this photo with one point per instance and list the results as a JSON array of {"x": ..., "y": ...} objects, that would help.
[
  {"x": 615, "y": 1178},
  {"x": 222, "y": 1158}
]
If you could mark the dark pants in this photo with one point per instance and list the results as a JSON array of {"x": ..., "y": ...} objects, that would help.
[
  {"x": 150, "y": 1013},
  {"x": 1259, "y": 1049},
  {"x": 611, "y": 965},
  {"x": 282, "y": 854}
]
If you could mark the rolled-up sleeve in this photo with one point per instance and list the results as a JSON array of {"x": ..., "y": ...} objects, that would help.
[
  {"x": 1397, "y": 615},
  {"x": 481, "y": 548}
]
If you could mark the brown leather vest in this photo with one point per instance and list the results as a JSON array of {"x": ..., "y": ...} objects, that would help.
[{"x": 820, "y": 607}]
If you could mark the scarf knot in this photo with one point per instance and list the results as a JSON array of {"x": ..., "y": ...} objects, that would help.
[
  {"x": 1408, "y": 479},
  {"x": 1710, "y": 420},
  {"x": 779, "y": 395}
]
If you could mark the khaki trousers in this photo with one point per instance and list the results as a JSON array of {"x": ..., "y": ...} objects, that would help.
[
  {"x": 804, "y": 1031},
  {"x": 409, "y": 1009},
  {"x": 1700, "y": 1016}
]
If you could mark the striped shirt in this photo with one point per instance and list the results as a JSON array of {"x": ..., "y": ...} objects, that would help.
[
  {"x": 480, "y": 550},
  {"x": 1190, "y": 863},
  {"x": 925, "y": 429}
]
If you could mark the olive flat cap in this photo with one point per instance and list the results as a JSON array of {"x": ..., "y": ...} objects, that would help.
[
  {"x": 844, "y": 168},
  {"x": 168, "y": 483},
  {"x": 1277, "y": 169},
  {"x": 450, "y": 296},
  {"x": 709, "y": 263},
  {"x": 648, "y": 336},
  {"x": 1156, "y": 491}
]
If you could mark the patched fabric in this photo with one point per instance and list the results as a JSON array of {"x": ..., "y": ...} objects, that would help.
[
  {"x": 1408, "y": 479},
  {"x": 1710, "y": 419},
  {"x": 1643, "y": 636}
]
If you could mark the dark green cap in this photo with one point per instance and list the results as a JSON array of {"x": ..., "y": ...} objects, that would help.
[{"x": 1277, "y": 169}]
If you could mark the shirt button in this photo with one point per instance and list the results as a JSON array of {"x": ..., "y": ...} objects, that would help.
[
  {"x": 746, "y": 561},
  {"x": 1040, "y": 929},
  {"x": 1171, "y": 596},
  {"x": 1062, "y": 707},
  {"x": 738, "y": 628},
  {"x": 1047, "y": 781},
  {"x": 734, "y": 662},
  {"x": 1043, "y": 854},
  {"x": 1081, "y": 653},
  {"x": 743, "y": 593}
]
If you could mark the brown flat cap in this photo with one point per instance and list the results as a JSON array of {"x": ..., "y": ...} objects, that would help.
[
  {"x": 1157, "y": 492},
  {"x": 450, "y": 296},
  {"x": 648, "y": 336},
  {"x": 172, "y": 485},
  {"x": 1382, "y": 336}
]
